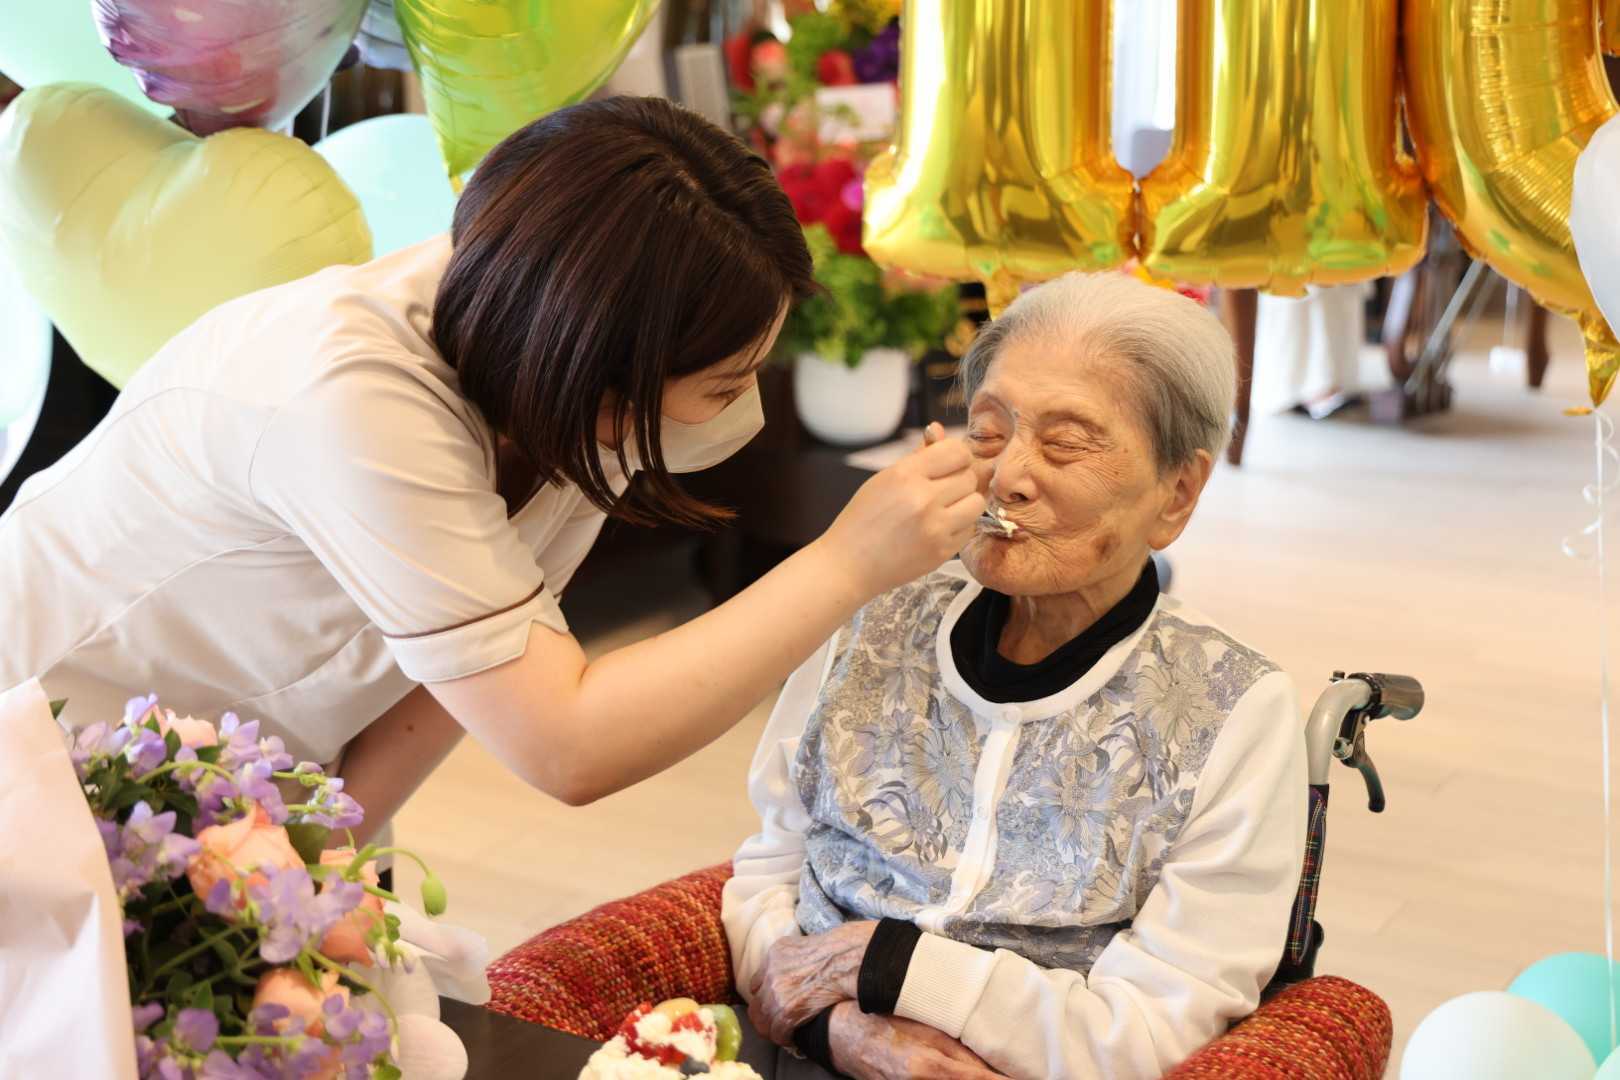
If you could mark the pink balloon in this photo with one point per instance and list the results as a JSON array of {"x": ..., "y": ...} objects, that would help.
[{"x": 229, "y": 63}]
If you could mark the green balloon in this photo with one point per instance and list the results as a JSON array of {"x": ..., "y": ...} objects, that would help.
[
  {"x": 57, "y": 41},
  {"x": 1571, "y": 985}
]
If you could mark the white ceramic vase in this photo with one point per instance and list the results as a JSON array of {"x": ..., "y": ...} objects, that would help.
[{"x": 852, "y": 406}]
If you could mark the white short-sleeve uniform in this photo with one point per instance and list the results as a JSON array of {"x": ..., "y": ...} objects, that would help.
[{"x": 291, "y": 512}]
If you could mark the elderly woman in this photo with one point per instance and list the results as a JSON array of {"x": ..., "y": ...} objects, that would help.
[{"x": 1025, "y": 814}]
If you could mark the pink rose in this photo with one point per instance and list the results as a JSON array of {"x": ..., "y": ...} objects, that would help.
[
  {"x": 240, "y": 849},
  {"x": 289, "y": 988},
  {"x": 347, "y": 942},
  {"x": 192, "y": 732}
]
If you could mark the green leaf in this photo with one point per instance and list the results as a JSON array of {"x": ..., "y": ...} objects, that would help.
[
  {"x": 210, "y": 754},
  {"x": 307, "y": 966},
  {"x": 56, "y": 708},
  {"x": 171, "y": 743},
  {"x": 309, "y": 841},
  {"x": 201, "y": 997},
  {"x": 389, "y": 1071},
  {"x": 175, "y": 989}
]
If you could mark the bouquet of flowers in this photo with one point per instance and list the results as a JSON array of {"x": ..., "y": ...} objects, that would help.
[{"x": 252, "y": 947}]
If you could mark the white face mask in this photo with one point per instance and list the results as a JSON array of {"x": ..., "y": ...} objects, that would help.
[{"x": 693, "y": 447}]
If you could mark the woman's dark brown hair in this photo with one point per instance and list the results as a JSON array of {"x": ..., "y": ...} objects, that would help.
[{"x": 608, "y": 247}]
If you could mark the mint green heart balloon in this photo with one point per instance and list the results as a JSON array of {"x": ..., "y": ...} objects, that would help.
[
  {"x": 46, "y": 41},
  {"x": 1571, "y": 985}
]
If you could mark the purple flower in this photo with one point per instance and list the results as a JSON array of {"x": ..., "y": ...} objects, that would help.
[
  {"x": 146, "y": 751},
  {"x": 144, "y": 1016},
  {"x": 254, "y": 782},
  {"x": 214, "y": 796},
  {"x": 146, "y": 1053},
  {"x": 264, "y": 1018},
  {"x": 238, "y": 742},
  {"x": 95, "y": 741},
  {"x": 293, "y": 914},
  {"x": 112, "y": 838},
  {"x": 131, "y": 926},
  {"x": 219, "y": 1066},
  {"x": 363, "y": 1033},
  {"x": 220, "y": 901},
  {"x": 196, "y": 1029},
  {"x": 275, "y": 752},
  {"x": 147, "y": 849},
  {"x": 879, "y": 61},
  {"x": 137, "y": 709},
  {"x": 333, "y": 808}
]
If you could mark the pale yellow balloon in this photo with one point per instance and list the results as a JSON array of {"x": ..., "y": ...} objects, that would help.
[
  {"x": 1004, "y": 170},
  {"x": 1284, "y": 169},
  {"x": 127, "y": 228},
  {"x": 1502, "y": 95}
]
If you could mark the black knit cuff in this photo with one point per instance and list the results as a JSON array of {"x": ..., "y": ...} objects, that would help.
[
  {"x": 883, "y": 968},
  {"x": 813, "y": 1039}
]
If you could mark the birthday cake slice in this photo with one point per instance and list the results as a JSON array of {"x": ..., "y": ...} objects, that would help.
[{"x": 675, "y": 1039}]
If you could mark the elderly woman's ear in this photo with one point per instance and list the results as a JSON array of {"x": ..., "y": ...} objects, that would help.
[{"x": 1181, "y": 487}]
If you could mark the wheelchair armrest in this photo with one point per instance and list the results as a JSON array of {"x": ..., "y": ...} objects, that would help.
[
  {"x": 585, "y": 975},
  {"x": 1327, "y": 1027}
]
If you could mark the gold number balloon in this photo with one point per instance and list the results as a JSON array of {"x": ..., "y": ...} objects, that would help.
[
  {"x": 1284, "y": 168},
  {"x": 1003, "y": 170},
  {"x": 490, "y": 66},
  {"x": 1502, "y": 95}
]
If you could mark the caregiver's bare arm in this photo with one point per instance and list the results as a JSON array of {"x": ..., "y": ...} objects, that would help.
[
  {"x": 388, "y": 760},
  {"x": 580, "y": 730}
]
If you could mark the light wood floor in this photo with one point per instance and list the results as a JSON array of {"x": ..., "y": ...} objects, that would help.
[{"x": 1431, "y": 550}]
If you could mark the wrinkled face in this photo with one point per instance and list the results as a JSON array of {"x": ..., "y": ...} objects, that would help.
[{"x": 1059, "y": 446}]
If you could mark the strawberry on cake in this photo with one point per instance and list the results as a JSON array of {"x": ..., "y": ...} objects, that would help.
[{"x": 675, "y": 1039}]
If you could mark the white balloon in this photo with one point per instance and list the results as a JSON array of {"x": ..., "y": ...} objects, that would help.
[
  {"x": 1495, "y": 1036},
  {"x": 1592, "y": 221}
]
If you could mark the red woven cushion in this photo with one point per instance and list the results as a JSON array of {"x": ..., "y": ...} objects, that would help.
[
  {"x": 1323, "y": 1029},
  {"x": 586, "y": 974}
]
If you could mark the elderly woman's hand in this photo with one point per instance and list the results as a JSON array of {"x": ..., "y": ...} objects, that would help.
[
  {"x": 890, "y": 1048},
  {"x": 803, "y": 975}
]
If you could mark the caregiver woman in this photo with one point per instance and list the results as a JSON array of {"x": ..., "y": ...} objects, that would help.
[{"x": 346, "y": 506}]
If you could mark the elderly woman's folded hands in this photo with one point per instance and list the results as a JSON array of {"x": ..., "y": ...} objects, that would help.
[{"x": 803, "y": 975}]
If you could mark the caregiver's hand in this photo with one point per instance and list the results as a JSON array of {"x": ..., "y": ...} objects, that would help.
[
  {"x": 803, "y": 975},
  {"x": 890, "y": 1048},
  {"x": 582, "y": 728},
  {"x": 909, "y": 518}
]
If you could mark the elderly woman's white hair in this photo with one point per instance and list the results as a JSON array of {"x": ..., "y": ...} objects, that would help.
[{"x": 1175, "y": 353}]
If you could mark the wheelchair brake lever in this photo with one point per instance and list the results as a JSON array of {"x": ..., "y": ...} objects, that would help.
[{"x": 1369, "y": 773}]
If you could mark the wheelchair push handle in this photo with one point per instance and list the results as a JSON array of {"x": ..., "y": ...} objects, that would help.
[
  {"x": 1342, "y": 715},
  {"x": 1400, "y": 696}
]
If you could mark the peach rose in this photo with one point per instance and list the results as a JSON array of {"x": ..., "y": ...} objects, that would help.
[
  {"x": 192, "y": 732},
  {"x": 289, "y": 988},
  {"x": 346, "y": 942},
  {"x": 240, "y": 849}
]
